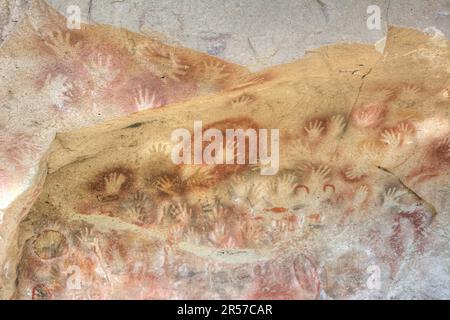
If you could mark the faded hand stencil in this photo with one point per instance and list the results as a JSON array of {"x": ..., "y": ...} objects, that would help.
[
  {"x": 60, "y": 79},
  {"x": 363, "y": 181}
]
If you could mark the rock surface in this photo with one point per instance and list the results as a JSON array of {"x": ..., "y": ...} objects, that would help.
[
  {"x": 253, "y": 33},
  {"x": 55, "y": 79},
  {"x": 358, "y": 208}
]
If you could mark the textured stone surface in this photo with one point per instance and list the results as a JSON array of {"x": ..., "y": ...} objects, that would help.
[
  {"x": 363, "y": 182},
  {"x": 11, "y": 12},
  {"x": 55, "y": 80},
  {"x": 258, "y": 33},
  {"x": 365, "y": 154}
]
